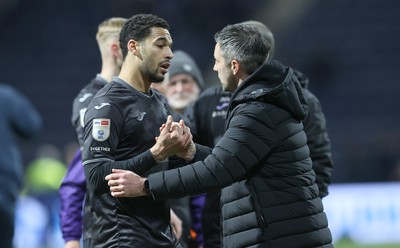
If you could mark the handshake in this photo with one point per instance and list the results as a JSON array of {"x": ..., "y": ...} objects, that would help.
[{"x": 174, "y": 139}]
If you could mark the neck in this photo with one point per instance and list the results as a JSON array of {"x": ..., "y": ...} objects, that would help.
[
  {"x": 241, "y": 77},
  {"x": 132, "y": 75},
  {"x": 108, "y": 70}
]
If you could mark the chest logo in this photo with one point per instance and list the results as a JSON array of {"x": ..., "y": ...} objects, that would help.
[
  {"x": 140, "y": 117},
  {"x": 101, "y": 129},
  {"x": 103, "y": 104}
]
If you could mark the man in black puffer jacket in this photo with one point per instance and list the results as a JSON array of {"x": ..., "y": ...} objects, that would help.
[
  {"x": 269, "y": 196},
  {"x": 208, "y": 125}
]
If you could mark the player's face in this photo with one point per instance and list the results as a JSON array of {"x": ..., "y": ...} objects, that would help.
[
  {"x": 224, "y": 71},
  {"x": 156, "y": 52},
  {"x": 181, "y": 90}
]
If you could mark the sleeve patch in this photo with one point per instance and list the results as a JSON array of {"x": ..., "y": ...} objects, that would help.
[{"x": 101, "y": 129}]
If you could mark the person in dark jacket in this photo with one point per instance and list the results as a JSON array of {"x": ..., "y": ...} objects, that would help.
[
  {"x": 208, "y": 119},
  {"x": 269, "y": 196},
  {"x": 182, "y": 88},
  {"x": 18, "y": 119}
]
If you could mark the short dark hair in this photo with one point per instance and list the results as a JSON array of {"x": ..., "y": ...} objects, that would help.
[
  {"x": 243, "y": 43},
  {"x": 138, "y": 27}
]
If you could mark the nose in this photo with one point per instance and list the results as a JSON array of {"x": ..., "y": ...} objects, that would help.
[
  {"x": 179, "y": 86},
  {"x": 169, "y": 55},
  {"x": 214, "y": 68}
]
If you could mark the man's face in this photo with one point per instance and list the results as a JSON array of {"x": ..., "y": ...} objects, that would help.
[
  {"x": 222, "y": 67},
  {"x": 156, "y": 54},
  {"x": 181, "y": 90}
]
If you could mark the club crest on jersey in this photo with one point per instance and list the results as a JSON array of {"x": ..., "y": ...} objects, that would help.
[{"x": 101, "y": 129}]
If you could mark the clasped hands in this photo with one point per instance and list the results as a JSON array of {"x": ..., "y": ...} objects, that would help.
[{"x": 174, "y": 139}]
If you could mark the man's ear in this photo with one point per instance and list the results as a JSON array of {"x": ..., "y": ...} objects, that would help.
[
  {"x": 133, "y": 47},
  {"x": 235, "y": 66},
  {"x": 115, "y": 49}
]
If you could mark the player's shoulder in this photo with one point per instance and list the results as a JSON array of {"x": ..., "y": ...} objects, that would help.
[{"x": 86, "y": 94}]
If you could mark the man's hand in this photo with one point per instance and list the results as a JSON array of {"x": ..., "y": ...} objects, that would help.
[
  {"x": 169, "y": 141},
  {"x": 185, "y": 148},
  {"x": 176, "y": 224},
  {"x": 124, "y": 183},
  {"x": 72, "y": 244}
]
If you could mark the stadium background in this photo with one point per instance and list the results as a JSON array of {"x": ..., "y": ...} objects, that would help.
[{"x": 349, "y": 49}]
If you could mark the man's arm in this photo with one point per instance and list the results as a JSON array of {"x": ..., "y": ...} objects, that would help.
[
  {"x": 238, "y": 152},
  {"x": 173, "y": 138},
  {"x": 72, "y": 194}
]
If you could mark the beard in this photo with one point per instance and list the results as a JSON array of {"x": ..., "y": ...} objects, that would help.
[
  {"x": 150, "y": 70},
  {"x": 180, "y": 101},
  {"x": 152, "y": 74}
]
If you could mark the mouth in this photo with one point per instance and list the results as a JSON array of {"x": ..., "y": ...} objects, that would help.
[{"x": 164, "y": 67}]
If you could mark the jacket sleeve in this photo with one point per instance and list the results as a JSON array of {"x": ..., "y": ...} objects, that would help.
[
  {"x": 72, "y": 193},
  {"x": 245, "y": 143},
  {"x": 319, "y": 144}
]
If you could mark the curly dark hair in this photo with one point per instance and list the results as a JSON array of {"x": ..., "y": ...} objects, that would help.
[{"x": 138, "y": 27}]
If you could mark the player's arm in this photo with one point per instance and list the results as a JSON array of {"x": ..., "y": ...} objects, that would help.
[{"x": 72, "y": 194}]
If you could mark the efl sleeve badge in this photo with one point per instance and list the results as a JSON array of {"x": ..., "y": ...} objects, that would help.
[{"x": 101, "y": 129}]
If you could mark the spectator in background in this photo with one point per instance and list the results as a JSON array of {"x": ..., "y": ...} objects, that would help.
[
  {"x": 262, "y": 162},
  {"x": 208, "y": 126},
  {"x": 73, "y": 187},
  {"x": 185, "y": 82},
  {"x": 18, "y": 119},
  {"x": 181, "y": 90},
  {"x": 43, "y": 179}
]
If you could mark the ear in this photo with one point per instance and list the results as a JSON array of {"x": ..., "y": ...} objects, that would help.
[
  {"x": 133, "y": 47},
  {"x": 235, "y": 66},
  {"x": 115, "y": 49}
]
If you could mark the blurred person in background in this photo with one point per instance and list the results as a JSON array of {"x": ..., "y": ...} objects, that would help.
[
  {"x": 42, "y": 179},
  {"x": 19, "y": 119},
  {"x": 262, "y": 162},
  {"x": 208, "y": 126},
  {"x": 121, "y": 124},
  {"x": 184, "y": 84},
  {"x": 73, "y": 187}
]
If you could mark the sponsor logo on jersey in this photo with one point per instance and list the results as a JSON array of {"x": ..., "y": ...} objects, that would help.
[
  {"x": 140, "y": 117},
  {"x": 101, "y": 129},
  {"x": 223, "y": 105},
  {"x": 82, "y": 116},
  {"x": 103, "y": 104},
  {"x": 221, "y": 113},
  {"x": 85, "y": 96},
  {"x": 100, "y": 148}
]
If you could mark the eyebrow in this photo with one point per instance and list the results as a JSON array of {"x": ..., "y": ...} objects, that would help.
[{"x": 163, "y": 38}]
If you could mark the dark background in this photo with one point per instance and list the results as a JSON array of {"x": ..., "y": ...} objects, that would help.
[{"x": 349, "y": 50}]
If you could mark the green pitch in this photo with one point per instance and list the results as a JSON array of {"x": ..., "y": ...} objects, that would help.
[{"x": 347, "y": 243}]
